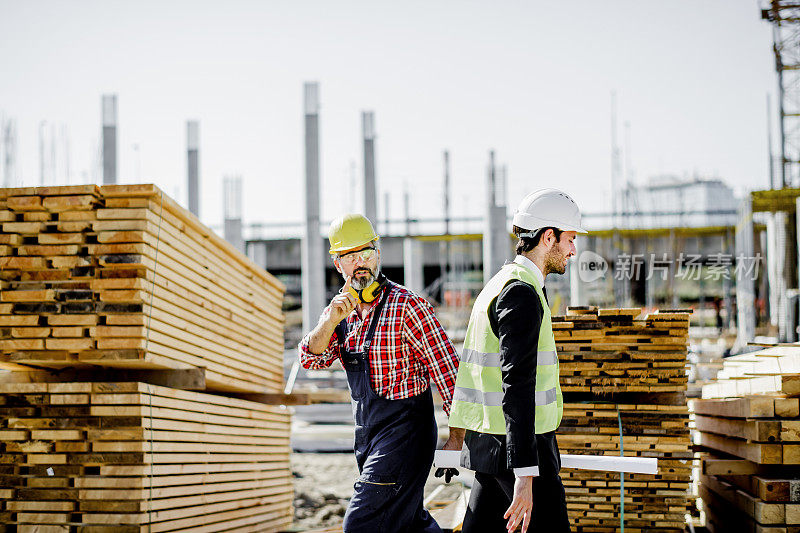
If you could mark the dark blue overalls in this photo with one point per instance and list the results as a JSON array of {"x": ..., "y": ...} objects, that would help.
[{"x": 394, "y": 444}]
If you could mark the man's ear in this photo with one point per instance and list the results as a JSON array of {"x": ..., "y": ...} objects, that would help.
[
  {"x": 337, "y": 266},
  {"x": 547, "y": 236}
]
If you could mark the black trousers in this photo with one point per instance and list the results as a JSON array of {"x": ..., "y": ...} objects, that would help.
[{"x": 492, "y": 495}]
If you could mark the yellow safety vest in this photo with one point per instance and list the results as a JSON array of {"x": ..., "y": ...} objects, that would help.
[{"x": 478, "y": 396}]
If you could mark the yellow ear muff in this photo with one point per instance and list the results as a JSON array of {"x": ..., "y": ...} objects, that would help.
[{"x": 367, "y": 295}]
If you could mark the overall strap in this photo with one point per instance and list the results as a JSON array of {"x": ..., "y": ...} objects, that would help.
[{"x": 342, "y": 330}]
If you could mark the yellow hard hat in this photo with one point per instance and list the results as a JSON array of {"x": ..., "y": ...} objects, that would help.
[{"x": 350, "y": 231}]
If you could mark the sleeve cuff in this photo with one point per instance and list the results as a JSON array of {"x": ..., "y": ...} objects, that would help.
[{"x": 526, "y": 471}]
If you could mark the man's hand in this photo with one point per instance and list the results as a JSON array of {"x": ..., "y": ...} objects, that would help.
[
  {"x": 342, "y": 304},
  {"x": 456, "y": 439},
  {"x": 454, "y": 442},
  {"x": 522, "y": 504}
]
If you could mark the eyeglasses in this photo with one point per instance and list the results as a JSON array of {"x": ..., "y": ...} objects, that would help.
[{"x": 365, "y": 254}]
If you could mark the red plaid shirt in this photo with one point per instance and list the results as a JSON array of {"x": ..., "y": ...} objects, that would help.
[{"x": 408, "y": 348}]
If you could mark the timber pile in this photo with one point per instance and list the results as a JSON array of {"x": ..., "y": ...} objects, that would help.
[
  {"x": 121, "y": 276},
  {"x": 127, "y": 457},
  {"x": 112, "y": 299},
  {"x": 617, "y": 353},
  {"x": 775, "y": 369},
  {"x": 751, "y": 476},
  {"x": 609, "y": 351}
]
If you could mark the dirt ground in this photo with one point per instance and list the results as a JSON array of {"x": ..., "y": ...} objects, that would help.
[{"x": 323, "y": 485}]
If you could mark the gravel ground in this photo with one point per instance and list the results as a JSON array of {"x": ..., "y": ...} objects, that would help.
[{"x": 323, "y": 485}]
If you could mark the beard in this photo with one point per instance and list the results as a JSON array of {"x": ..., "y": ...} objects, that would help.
[
  {"x": 555, "y": 263},
  {"x": 360, "y": 283}
]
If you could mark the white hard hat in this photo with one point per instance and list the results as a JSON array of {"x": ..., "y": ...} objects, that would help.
[{"x": 548, "y": 208}]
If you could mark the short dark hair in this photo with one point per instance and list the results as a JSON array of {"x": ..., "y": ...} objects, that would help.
[{"x": 526, "y": 244}]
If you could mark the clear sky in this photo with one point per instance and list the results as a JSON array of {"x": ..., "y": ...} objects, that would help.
[{"x": 530, "y": 79}]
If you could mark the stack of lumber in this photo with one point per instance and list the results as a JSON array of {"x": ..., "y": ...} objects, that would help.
[
  {"x": 608, "y": 350},
  {"x": 136, "y": 457},
  {"x": 121, "y": 276},
  {"x": 751, "y": 475},
  {"x": 617, "y": 353},
  {"x": 652, "y": 502},
  {"x": 112, "y": 301},
  {"x": 775, "y": 369}
]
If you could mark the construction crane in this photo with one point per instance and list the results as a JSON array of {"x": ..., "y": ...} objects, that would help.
[{"x": 785, "y": 19}]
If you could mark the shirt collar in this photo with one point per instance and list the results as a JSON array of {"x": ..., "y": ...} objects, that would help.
[{"x": 530, "y": 265}]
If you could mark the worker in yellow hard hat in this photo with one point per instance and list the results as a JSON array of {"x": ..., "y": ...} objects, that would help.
[{"x": 391, "y": 345}]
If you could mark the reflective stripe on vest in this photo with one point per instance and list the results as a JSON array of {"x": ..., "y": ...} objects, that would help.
[
  {"x": 478, "y": 396},
  {"x": 495, "y": 399},
  {"x": 547, "y": 357}
]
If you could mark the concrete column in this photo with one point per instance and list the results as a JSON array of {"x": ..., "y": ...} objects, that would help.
[
  {"x": 649, "y": 281},
  {"x": 10, "y": 153},
  {"x": 232, "y": 229},
  {"x": 42, "y": 154},
  {"x": 257, "y": 252},
  {"x": 496, "y": 242},
  {"x": 312, "y": 261},
  {"x": 796, "y": 281},
  {"x": 413, "y": 260},
  {"x": 446, "y": 193},
  {"x": 576, "y": 291},
  {"x": 673, "y": 258},
  {"x": 745, "y": 285},
  {"x": 232, "y": 209},
  {"x": 727, "y": 246},
  {"x": 773, "y": 279},
  {"x": 776, "y": 261},
  {"x": 370, "y": 188},
  {"x": 109, "y": 139},
  {"x": 412, "y": 265},
  {"x": 193, "y": 165}
]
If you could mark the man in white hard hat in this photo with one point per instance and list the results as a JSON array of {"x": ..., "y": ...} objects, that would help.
[
  {"x": 391, "y": 345},
  {"x": 507, "y": 393}
]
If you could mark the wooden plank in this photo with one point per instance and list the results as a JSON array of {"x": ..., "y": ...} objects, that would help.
[
  {"x": 787, "y": 407},
  {"x": 776, "y": 490},
  {"x": 57, "y": 204},
  {"x": 789, "y": 430},
  {"x": 25, "y": 203},
  {"x": 63, "y": 190},
  {"x": 736, "y": 467},
  {"x": 747, "y": 407},
  {"x": 758, "y": 453},
  {"x": 188, "y": 378},
  {"x": 748, "y": 429}
]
